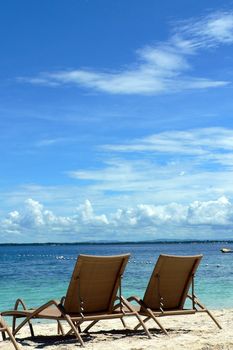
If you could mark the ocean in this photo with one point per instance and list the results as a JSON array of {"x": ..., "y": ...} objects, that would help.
[{"x": 38, "y": 273}]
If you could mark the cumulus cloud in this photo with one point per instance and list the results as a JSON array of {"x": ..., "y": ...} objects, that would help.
[
  {"x": 144, "y": 215},
  {"x": 160, "y": 68},
  {"x": 33, "y": 217},
  {"x": 142, "y": 218},
  {"x": 218, "y": 212},
  {"x": 86, "y": 216}
]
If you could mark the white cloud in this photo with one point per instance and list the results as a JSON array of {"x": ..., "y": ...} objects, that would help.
[
  {"x": 215, "y": 142},
  {"x": 175, "y": 166},
  {"x": 153, "y": 220},
  {"x": 211, "y": 30},
  {"x": 158, "y": 70},
  {"x": 169, "y": 166},
  {"x": 218, "y": 27},
  {"x": 50, "y": 142},
  {"x": 116, "y": 170},
  {"x": 161, "y": 68},
  {"x": 163, "y": 59},
  {"x": 85, "y": 215},
  {"x": 35, "y": 217},
  {"x": 218, "y": 212}
]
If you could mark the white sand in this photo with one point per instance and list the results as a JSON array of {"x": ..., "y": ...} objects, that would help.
[{"x": 192, "y": 332}]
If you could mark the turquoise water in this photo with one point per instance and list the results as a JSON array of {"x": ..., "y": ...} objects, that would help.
[{"x": 39, "y": 273}]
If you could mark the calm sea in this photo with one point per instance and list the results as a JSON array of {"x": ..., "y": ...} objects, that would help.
[{"x": 38, "y": 273}]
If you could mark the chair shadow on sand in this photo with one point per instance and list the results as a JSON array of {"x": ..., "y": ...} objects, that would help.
[{"x": 43, "y": 341}]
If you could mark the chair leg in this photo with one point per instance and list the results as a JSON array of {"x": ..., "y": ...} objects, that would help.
[
  {"x": 143, "y": 325},
  {"x": 77, "y": 324},
  {"x": 123, "y": 322},
  {"x": 86, "y": 330},
  {"x": 12, "y": 338},
  {"x": 6, "y": 329},
  {"x": 26, "y": 320},
  {"x": 13, "y": 323},
  {"x": 213, "y": 318},
  {"x": 3, "y": 335},
  {"x": 157, "y": 321},
  {"x": 31, "y": 329},
  {"x": 145, "y": 320},
  {"x": 60, "y": 329},
  {"x": 74, "y": 329},
  {"x": 29, "y": 324},
  {"x": 204, "y": 309},
  {"x": 17, "y": 303},
  {"x": 136, "y": 314}
]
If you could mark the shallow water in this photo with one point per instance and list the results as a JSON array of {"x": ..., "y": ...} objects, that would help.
[{"x": 40, "y": 273}]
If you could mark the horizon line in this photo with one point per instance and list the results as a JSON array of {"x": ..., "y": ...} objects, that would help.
[{"x": 166, "y": 241}]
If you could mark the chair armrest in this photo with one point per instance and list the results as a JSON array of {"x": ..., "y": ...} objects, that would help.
[
  {"x": 37, "y": 311},
  {"x": 20, "y": 302},
  {"x": 138, "y": 300},
  {"x": 62, "y": 300},
  {"x": 134, "y": 298}
]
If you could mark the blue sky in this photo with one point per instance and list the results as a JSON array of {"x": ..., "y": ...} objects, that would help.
[{"x": 116, "y": 120}]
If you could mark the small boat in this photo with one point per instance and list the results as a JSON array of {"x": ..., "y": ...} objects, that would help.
[{"x": 226, "y": 250}]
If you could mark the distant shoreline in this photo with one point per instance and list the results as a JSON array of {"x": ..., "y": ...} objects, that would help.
[{"x": 119, "y": 243}]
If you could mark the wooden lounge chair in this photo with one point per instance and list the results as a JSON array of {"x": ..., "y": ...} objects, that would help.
[
  {"x": 168, "y": 289},
  {"x": 5, "y": 329},
  {"x": 91, "y": 295}
]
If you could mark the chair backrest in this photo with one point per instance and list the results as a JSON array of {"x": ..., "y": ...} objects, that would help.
[
  {"x": 170, "y": 281},
  {"x": 94, "y": 283}
]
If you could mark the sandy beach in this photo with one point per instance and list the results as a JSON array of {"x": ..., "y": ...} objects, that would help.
[{"x": 194, "y": 332}]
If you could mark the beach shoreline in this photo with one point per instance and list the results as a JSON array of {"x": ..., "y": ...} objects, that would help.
[{"x": 194, "y": 332}]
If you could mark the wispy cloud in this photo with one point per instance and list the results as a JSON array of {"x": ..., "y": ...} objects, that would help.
[
  {"x": 161, "y": 68},
  {"x": 50, "y": 141},
  {"x": 159, "y": 168},
  {"x": 116, "y": 170},
  {"x": 168, "y": 166},
  {"x": 209, "y": 31},
  {"x": 215, "y": 143}
]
